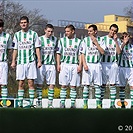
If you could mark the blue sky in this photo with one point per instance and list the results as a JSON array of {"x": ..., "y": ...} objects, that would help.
[{"x": 90, "y": 11}]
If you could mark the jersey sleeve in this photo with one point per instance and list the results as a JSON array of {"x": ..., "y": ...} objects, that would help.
[
  {"x": 9, "y": 42},
  {"x": 82, "y": 47},
  {"x": 102, "y": 43},
  {"x": 59, "y": 47},
  {"x": 37, "y": 41},
  {"x": 15, "y": 42}
]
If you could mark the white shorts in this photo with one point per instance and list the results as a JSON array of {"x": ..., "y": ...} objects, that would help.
[
  {"x": 69, "y": 75},
  {"x": 109, "y": 73},
  {"x": 48, "y": 72},
  {"x": 3, "y": 73},
  {"x": 93, "y": 75},
  {"x": 26, "y": 71},
  {"x": 125, "y": 75}
]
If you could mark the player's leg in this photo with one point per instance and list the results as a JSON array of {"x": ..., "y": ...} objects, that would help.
[
  {"x": 39, "y": 84},
  {"x": 50, "y": 79},
  {"x": 20, "y": 76},
  {"x": 63, "y": 81},
  {"x": 85, "y": 96},
  {"x": 130, "y": 81},
  {"x": 20, "y": 92},
  {"x": 122, "y": 84},
  {"x": 31, "y": 74},
  {"x": 3, "y": 81},
  {"x": 112, "y": 73},
  {"x": 97, "y": 74},
  {"x": 86, "y": 84}
]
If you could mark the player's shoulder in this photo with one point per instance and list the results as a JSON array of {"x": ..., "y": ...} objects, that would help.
[
  {"x": 32, "y": 31},
  {"x": 6, "y": 34}
]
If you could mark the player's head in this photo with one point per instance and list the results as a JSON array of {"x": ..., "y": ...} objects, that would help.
[
  {"x": 127, "y": 36},
  {"x": 1, "y": 25},
  {"x": 70, "y": 31},
  {"x": 24, "y": 23},
  {"x": 113, "y": 29},
  {"x": 92, "y": 30},
  {"x": 49, "y": 29}
]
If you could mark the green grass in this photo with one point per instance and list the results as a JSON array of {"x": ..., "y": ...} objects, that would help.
[{"x": 65, "y": 120}]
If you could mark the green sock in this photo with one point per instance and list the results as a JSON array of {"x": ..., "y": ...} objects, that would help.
[
  {"x": 4, "y": 94},
  {"x": 131, "y": 95},
  {"x": 73, "y": 95},
  {"x": 112, "y": 95},
  {"x": 31, "y": 96},
  {"x": 20, "y": 97},
  {"x": 122, "y": 95},
  {"x": 85, "y": 94},
  {"x": 97, "y": 94},
  {"x": 39, "y": 95},
  {"x": 63, "y": 95},
  {"x": 50, "y": 96}
]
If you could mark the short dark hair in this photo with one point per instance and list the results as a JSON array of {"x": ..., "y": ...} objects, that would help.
[
  {"x": 24, "y": 18},
  {"x": 1, "y": 23},
  {"x": 49, "y": 26},
  {"x": 70, "y": 26},
  {"x": 93, "y": 26},
  {"x": 115, "y": 26}
]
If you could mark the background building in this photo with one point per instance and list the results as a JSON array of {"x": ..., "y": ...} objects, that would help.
[{"x": 125, "y": 23}]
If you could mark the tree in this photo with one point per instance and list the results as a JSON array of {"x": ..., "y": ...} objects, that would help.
[
  {"x": 129, "y": 10},
  {"x": 11, "y": 12}
]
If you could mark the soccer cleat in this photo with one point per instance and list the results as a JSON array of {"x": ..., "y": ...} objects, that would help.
[
  {"x": 32, "y": 106},
  {"x": 113, "y": 107},
  {"x": 20, "y": 107},
  {"x": 38, "y": 104},
  {"x": 62, "y": 105},
  {"x": 50, "y": 106},
  {"x": 4, "y": 106},
  {"x": 85, "y": 106},
  {"x": 73, "y": 107},
  {"x": 99, "y": 106}
]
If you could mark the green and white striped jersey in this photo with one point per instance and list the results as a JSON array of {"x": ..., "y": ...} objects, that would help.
[
  {"x": 110, "y": 54},
  {"x": 92, "y": 55},
  {"x": 48, "y": 46},
  {"x": 69, "y": 50},
  {"x": 25, "y": 43},
  {"x": 5, "y": 44},
  {"x": 126, "y": 57}
]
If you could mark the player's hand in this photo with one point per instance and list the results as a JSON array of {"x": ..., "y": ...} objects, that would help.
[
  {"x": 86, "y": 68},
  {"x": 94, "y": 40},
  {"x": 126, "y": 39},
  {"x": 79, "y": 69},
  {"x": 39, "y": 64},
  {"x": 115, "y": 37},
  {"x": 58, "y": 68},
  {"x": 13, "y": 65}
]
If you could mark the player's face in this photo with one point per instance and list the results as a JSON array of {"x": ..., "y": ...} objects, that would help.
[
  {"x": 69, "y": 33},
  {"x": 112, "y": 32},
  {"x": 24, "y": 25},
  {"x": 91, "y": 31},
  {"x": 48, "y": 32}
]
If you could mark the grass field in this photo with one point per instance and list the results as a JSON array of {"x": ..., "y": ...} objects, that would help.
[{"x": 14, "y": 120}]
